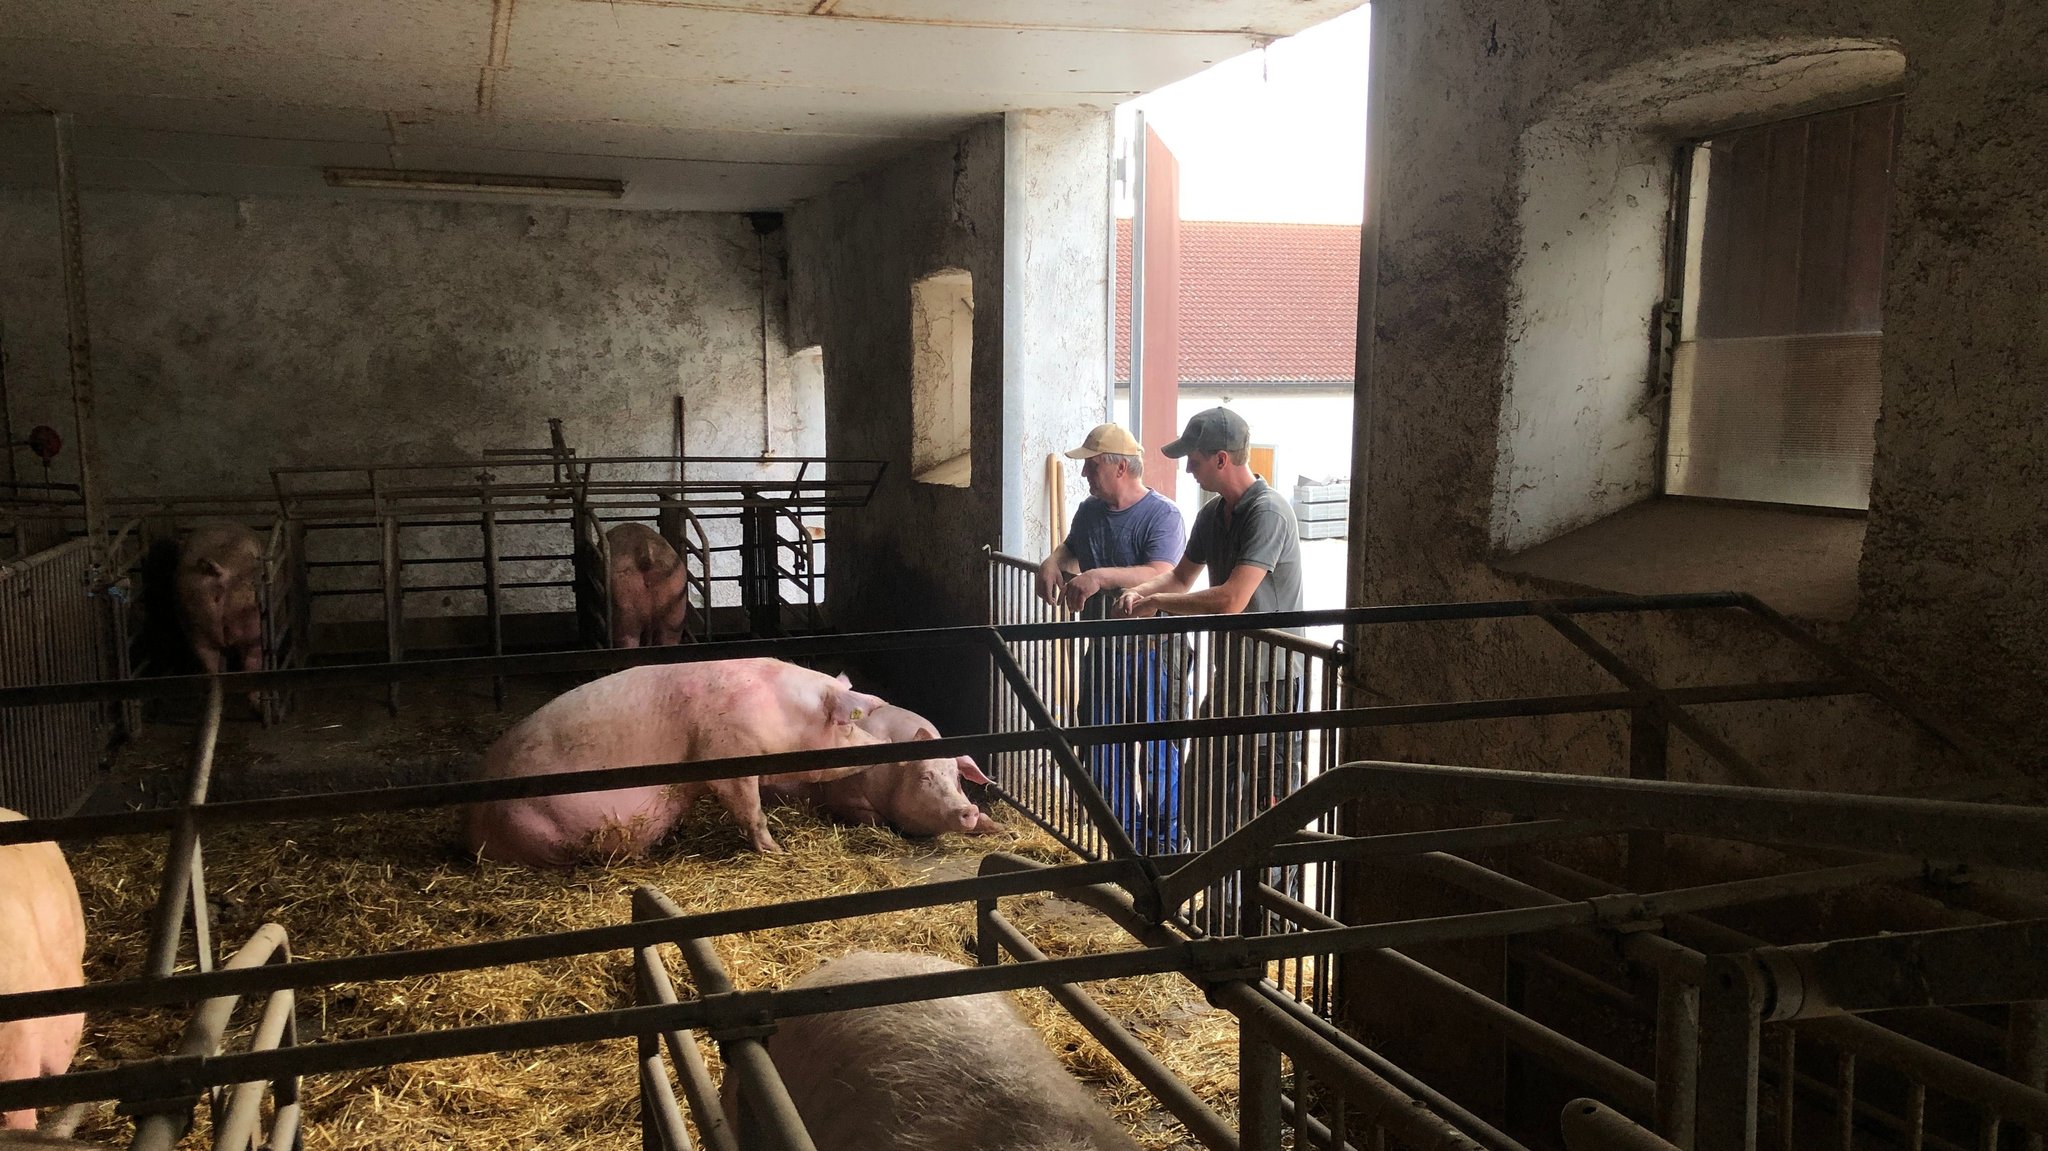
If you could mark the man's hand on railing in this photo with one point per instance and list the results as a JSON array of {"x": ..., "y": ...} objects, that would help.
[
  {"x": 1080, "y": 587},
  {"x": 1051, "y": 580},
  {"x": 1132, "y": 605}
]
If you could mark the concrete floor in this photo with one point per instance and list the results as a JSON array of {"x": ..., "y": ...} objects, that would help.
[{"x": 1803, "y": 563}]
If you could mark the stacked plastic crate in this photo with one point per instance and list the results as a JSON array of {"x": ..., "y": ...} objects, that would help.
[{"x": 1321, "y": 508}]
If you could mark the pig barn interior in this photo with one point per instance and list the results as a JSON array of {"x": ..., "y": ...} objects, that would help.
[{"x": 1677, "y": 781}]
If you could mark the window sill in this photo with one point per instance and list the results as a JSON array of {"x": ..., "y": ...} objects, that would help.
[{"x": 1802, "y": 563}]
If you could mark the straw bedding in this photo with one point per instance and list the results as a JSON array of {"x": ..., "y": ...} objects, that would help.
[{"x": 399, "y": 882}]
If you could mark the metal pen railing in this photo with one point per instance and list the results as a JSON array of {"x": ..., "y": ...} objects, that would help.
[
  {"x": 63, "y": 618},
  {"x": 1260, "y": 855},
  {"x": 1172, "y": 795}
]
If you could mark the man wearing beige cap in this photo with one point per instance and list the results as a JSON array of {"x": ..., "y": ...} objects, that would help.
[{"x": 1123, "y": 534}]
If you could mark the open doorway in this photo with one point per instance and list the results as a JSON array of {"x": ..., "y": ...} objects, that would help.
[{"x": 1246, "y": 271}]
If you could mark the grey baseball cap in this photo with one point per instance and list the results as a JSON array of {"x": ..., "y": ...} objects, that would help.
[{"x": 1214, "y": 430}]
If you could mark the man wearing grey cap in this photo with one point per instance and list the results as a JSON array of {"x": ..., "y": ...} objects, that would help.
[
  {"x": 1247, "y": 537},
  {"x": 1248, "y": 541},
  {"x": 1123, "y": 534}
]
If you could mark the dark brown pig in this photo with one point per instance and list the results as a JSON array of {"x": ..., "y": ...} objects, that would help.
[
  {"x": 42, "y": 946},
  {"x": 649, "y": 600},
  {"x": 916, "y": 797},
  {"x": 218, "y": 570},
  {"x": 668, "y": 713}
]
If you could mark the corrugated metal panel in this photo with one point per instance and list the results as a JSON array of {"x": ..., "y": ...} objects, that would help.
[
  {"x": 51, "y": 631},
  {"x": 1776, "y": 383}
]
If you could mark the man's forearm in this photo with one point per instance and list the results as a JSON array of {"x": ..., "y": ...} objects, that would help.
[
  {"x": 1208, "y": 601},
  {"x": 1129, "y": 577}
]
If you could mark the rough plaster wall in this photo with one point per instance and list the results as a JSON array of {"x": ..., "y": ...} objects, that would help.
[
  {"x": 1956, "y": 565},
  {"x": 913, "y": 556},
  {"x": 1577, "y": 438},
  {"x": 231, "y": 336},
  {"x": 1953, "y": 568},
  {"x": 1056, "y": 264}
]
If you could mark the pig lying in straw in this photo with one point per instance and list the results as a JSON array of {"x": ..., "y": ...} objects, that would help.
[
  {"x": 659, "y": 714},
  {"x": 916, "y": 797},
  {"x": 954, "y": 1073},
  {"x": 42, "y": 945}
]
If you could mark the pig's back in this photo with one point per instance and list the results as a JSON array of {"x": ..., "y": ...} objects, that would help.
[
  {"x": 42, "y": 925},
  {"x": 953, "y": 1073},
  {"x": 649, "y": 714}
]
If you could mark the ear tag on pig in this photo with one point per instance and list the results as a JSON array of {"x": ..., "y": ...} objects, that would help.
[{"x": 848, "y": 706}]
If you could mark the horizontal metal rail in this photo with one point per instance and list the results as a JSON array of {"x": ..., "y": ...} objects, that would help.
[
  {"x": 1221, "y": 955},
  {"x": 118, "y": 995}
]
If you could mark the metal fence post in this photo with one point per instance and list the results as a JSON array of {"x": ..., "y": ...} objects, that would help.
[{"x": 1731, "y": 1022}]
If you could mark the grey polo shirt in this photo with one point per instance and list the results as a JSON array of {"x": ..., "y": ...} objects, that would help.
[{"x": 1262, "y": 533}]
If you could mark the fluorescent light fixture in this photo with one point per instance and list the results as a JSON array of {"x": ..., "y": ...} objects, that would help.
[{"x": 403, "y": 180}]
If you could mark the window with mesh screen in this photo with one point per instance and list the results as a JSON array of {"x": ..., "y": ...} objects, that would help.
[{"x": 1774, "y": 391}]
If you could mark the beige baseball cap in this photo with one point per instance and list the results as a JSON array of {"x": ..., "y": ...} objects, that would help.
[{"x": 1107, "y": 439}]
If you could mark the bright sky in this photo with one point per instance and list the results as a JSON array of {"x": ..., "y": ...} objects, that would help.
[{"x": 1273, "y": 135}]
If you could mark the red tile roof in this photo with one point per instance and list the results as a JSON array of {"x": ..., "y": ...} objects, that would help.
[{"x": 1272, "y": 302}]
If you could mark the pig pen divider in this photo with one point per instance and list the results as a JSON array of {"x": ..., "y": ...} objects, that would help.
[
  {"x": 1260, "y": 855},
  {"x": 1914, "y": 827}
]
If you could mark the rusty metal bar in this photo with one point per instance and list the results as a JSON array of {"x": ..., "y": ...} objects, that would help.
[
  {"x": 1931, "y": 829},
  {"x": 238, "y": 1128},
  {"x": 394, "y": 603},
  {"x": 2026, "y": 1053},
  {"x": 1634, "y": 680},
  {"x": 1953, "y": 966},
  {"x": 661, "y": 1117},
  {"x": 1077, "y": 777},
  {"x": 1381, "y": 1101},
  {"x": 1116, "y": 904},
  {"x": 653, "y": 903},
  {"x": 1204, "y": 1124},
  {"x": 768, "y": 1117},
  {"x": 1677, "y": 1059},
  {"x": 126, "y": 994},
  {"x": 682, "y": 1047},
  {"x": 1632, "y": 1089},
  {"x": 1200, "y": 954},
  {"x": 78, "y": 336},
  {"x": 1590, "y": 1125},
  {"x": 167, "y": 1118},
  {"x": 181, "y": 858},
  {"x": 1731, "y": 1018}
]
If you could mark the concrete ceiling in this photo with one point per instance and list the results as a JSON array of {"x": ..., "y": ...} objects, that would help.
[{"x": 717, "y": 105}]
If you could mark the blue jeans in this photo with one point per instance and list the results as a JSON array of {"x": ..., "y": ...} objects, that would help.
[{"x": 1129, "y": 681}]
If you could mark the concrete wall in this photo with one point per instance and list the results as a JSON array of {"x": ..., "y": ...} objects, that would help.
[
  {"x": 1952, "y": 572},
  {"x": 1056, "y": 218},
  {"x": 1578, "y": 438},
  {"x": 1021, "y": 205},
  {"x": 913, "y": 556},
  {"x": 231, "y": 336},
  {"x": 1955, "y": 566}
]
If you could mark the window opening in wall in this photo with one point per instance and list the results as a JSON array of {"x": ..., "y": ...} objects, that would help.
[
  {"x": 1775, "y": 384},
  {"x": 941, "y": 372}
]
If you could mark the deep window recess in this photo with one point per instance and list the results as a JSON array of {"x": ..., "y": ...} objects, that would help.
[
  {"x": 1775, "y": 384},
  {"x": 941, "y": 370}
]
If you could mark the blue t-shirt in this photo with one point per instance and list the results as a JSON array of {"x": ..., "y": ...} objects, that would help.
[{"x": 1149, "y": 531}]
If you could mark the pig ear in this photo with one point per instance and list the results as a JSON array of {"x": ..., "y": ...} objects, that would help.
[
  {"x": 210, "y": 569},
  {"x": 924, "y": 733},
  {"x": 848, "y": 706},
  {"x": 970, "y": 772},
  {"x": 845, "y": 684}
]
